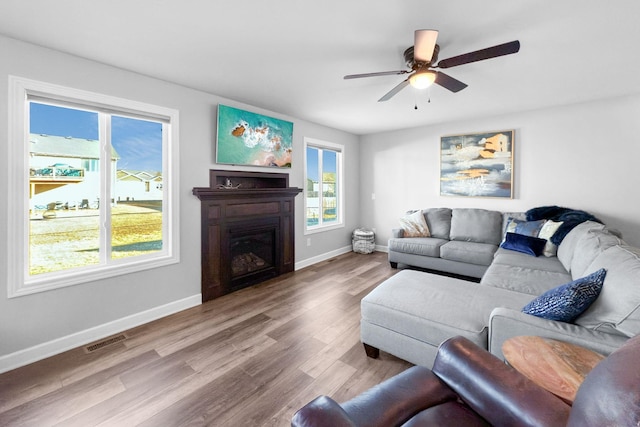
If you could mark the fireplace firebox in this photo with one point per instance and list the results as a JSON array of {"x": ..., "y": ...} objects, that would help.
[
  {"x": 253, "y": 252},
  {"x": 247, "y": 229}
]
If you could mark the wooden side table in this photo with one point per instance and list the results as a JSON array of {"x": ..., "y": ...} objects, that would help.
[{"x": 557, "y": 366}]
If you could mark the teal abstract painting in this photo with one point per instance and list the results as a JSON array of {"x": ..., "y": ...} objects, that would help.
[{"x": 246, "y": 138}]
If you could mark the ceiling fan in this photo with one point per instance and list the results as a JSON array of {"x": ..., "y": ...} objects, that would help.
[{"x": 422, "y": 58}]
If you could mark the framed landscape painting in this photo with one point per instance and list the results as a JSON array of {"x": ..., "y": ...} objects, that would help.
[
  {"x": 246, "y": 138},
  {"x": 477, "y": 165}
]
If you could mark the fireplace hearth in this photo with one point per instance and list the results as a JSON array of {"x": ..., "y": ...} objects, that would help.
[{"x": 247, "y": 229}]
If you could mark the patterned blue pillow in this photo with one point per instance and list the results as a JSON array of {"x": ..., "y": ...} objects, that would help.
[
  {"x": 566, "y": 302},
  {"x": 530, "y": 228}
]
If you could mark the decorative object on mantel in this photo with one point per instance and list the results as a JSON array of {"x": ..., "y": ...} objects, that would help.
[
  {"x": 477, "y": 165},
  {"x": 246, "y": 138},
  {"x": 247, "y": 229},
  {"x": 228, "y": 185}
]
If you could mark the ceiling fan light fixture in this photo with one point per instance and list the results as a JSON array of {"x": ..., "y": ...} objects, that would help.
[{"x": 422, "y": 79}]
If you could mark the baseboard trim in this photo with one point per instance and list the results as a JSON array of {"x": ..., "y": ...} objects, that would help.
[
  {"x": 59, "y": 345},
  {"x": 313, "y": 260}
]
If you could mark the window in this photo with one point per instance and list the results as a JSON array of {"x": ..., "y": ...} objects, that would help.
[
  {"x": 95, "y": 182},
  {"x": 323, "y": 185}
]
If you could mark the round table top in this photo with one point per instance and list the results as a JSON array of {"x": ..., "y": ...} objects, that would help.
[{"x": 557, "y": 366}]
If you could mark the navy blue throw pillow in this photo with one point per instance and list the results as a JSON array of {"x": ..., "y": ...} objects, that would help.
[
  {"x": 525, "y": 244},
  {"x": 566, "y": 302}
]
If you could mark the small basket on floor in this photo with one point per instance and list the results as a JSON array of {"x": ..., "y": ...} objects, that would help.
[{"x": 363, "y": 241}]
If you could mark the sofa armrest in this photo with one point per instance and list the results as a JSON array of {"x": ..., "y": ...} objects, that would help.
[
  {"x": 505, "y": 323},
  {"x": 495, "y": 390},
  {"x": 322, "y": 411},
  {"x": 397, "y": 233}
]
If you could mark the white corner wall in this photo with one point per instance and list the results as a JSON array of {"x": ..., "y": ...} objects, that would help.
[
  {"x": 583, "y": 156},
  {"x": 35, "y": 326}
]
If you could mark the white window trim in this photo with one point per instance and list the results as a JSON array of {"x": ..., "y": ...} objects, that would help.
[
  {"x": 340, "y": 170},
  {"x": 18, "y": 281}
]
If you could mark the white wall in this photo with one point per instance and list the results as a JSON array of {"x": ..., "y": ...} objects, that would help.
[
  {"x": 36, "y": 325},
  {"x": 582, "y": 156}
]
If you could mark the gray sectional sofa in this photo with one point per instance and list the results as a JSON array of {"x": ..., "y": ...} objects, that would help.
[{"x": 411, "y": 313}]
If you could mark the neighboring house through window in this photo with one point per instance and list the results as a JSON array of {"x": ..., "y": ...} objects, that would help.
[
  {"x": 95, "y": 178},
  {"x": 323, "y": 194}
]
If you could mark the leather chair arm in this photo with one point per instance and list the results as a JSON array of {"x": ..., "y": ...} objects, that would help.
[
  {"x": 494, "y": 390},
  {"x": 610, "y": 394},
  {"x": 322, "y": 411},
  {"x": 396, "y": 400},
  {"x": 390, "y": 403}
]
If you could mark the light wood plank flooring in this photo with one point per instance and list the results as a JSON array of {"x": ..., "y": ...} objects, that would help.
[{"x": 250, "y": 358}]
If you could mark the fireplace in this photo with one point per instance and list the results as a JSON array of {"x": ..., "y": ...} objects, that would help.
[{"x": 247, "y": 229}]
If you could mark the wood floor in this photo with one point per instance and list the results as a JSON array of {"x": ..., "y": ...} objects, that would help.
[{"x": 250, "y": 358}]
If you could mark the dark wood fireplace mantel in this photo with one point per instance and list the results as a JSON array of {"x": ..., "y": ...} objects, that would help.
[{"x": 241, "y": 209}]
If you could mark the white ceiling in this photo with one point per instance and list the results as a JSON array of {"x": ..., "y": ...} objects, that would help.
[{"x": 289, "y": 56}]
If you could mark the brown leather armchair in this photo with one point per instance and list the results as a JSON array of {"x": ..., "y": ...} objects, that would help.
[{"x": 470, "y": 387}]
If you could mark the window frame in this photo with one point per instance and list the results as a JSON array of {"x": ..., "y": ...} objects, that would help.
[
  {"x": 340, "y": 150},
  {"x": 21, "y": 92}
]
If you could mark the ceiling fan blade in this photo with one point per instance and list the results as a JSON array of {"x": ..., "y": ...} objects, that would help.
[
  {"x": 448, "y": 82},
  {"x": 424, "y": 44},
  {"x": 393, "y": 91},
  {"x": 480, "y": 55},
  {"x": 381, "y": 73}
]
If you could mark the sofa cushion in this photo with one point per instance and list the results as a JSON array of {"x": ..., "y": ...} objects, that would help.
[
  {"x": 566, "y": 302},
  {"x": 592, "y": 244},
  {"x": 476, "y": 225},
  {"x": 432, "y": 308},
  {"x": 570, "y": 241},
  {"x": 439, "y": 222},
  {"x": 524, "y": 278},
  {"x": 414, "y": 225},
  {"x": 469, "y": 252},
  {"x": 523, "y": 273},
  {"x": 522, "y": 243},
  {"x": 512, "y": 258},
  {"x": 617, "y": 307},
  {"x": 427, "y": 246}
]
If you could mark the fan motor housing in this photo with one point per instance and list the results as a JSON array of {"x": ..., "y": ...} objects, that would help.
[{"x": 411, "y": 63}]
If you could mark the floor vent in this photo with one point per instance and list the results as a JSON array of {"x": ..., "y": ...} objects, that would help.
[{"x": 104, "y": 343}]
